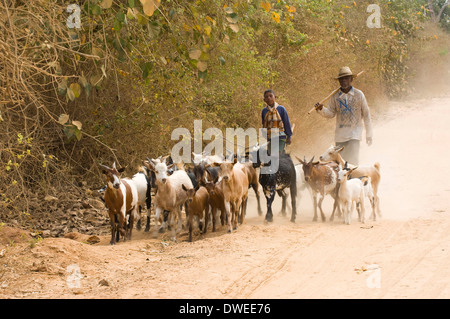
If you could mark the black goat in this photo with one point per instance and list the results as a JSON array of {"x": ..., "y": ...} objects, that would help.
[{"x": 276, "y": 180}]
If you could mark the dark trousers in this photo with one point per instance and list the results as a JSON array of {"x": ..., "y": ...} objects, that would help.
[{"x": 281, "y": 145}]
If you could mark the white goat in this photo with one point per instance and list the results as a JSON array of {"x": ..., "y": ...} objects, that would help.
[
  {"x": 142, "y": 180},
  {"x": 170, "y": 195},
  {"x": 368, "y": 190},
  {"x": 351, "y": 190},
  {"x": 333, "y": 154},
  {"x": 197, "y": 158}
]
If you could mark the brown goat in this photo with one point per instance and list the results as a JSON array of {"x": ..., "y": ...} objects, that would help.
[
  {"x": 197, "y": 203},
  {"x": 323, "y": 180},
  {"x": 121, "y": 199},
  {"x": 253, "y": 180},
  {"x": 235, "y": 189},
  {"x": 216, "y": 201}
]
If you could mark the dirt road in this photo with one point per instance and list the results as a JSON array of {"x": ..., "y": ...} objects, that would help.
[{"x": 406, "y": 254}]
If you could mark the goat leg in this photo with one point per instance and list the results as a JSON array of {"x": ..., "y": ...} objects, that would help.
[
  {"x": 235, "y": 208},
  {"x": 172, "y": 216},
  {"x": 315, "y": 207},
  {"x": 322, "y": 215},
  {"x": 255, "y": 188},
  {"x": 270, "y": 195},
  {"x": 147, "y": 226},
  {"x": 243, "y": 210},
  {"x": 113, "y": 228},
  {"x": 189, "y": 222},
  {"x": 138, "y": 224},
  {"x": 283, "y": 196},
  {"x": 293, "y": 203},
  {"x": 205, "y": 227},
  {"x": 335, "y": 206},
  {"x": 228, "y": 214},
  {"x": 213, "y": 217},
  {"x": 130, "y": 225}
]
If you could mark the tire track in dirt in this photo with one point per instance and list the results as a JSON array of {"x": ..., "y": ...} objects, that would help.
[
  {"x": 259, "y": 274},
  {"x": 314, "y": 269}
]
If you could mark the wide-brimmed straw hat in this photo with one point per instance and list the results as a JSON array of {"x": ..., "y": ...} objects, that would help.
[{"x": 345, "y": 71}]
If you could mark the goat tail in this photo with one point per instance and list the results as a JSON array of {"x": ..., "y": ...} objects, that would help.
[{"x": 377, "y": 166}]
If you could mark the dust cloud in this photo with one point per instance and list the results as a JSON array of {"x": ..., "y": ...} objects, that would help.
[{"x": 412, "y": 147}]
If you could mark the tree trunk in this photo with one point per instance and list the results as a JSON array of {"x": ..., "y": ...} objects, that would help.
[
  {"x": 436, "y": 18},
  {"x": 431, "y": 8}
]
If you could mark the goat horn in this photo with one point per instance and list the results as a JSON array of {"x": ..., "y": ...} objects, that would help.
[
  {"x": 105, "y": 167},
  {"x": 164, "y": 159}
]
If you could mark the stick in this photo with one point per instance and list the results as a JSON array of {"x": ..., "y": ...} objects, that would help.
[
  {"x": 325, "y": 99},
  {"x": 331, "y": 94}
]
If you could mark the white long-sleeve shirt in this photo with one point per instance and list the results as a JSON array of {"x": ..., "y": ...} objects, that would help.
[{"x": 350, "y": 110}]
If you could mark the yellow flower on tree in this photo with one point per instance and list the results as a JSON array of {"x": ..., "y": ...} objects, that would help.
[
  {"x": 265, "y": 6},
  {"x": 276, "y": 17}
]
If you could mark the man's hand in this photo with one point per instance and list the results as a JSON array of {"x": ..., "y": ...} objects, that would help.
[
  {"x": 288, "y": 140},
  {"x": 369, "y": 141},
  {"x": 318, "y": 106}
]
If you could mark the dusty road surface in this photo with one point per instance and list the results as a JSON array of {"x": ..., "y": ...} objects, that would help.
[{"x": 405, "y": 254}]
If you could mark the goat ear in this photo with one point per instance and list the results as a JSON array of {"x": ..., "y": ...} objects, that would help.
[
  {"x": 170, "y": 166},
  {"x": 315, "y": 163},
  {"x": 184, "y": 187},
  {"x": 235, "y": 160}
]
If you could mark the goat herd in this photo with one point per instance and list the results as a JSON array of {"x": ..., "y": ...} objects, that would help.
[{"x": 214, "y": 184}]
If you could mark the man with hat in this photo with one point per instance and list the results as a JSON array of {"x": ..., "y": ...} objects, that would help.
[{"x": 349, "y": 105}]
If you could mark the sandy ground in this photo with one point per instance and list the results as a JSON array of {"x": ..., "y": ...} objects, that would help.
[{"x": 405, "y": 254}]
